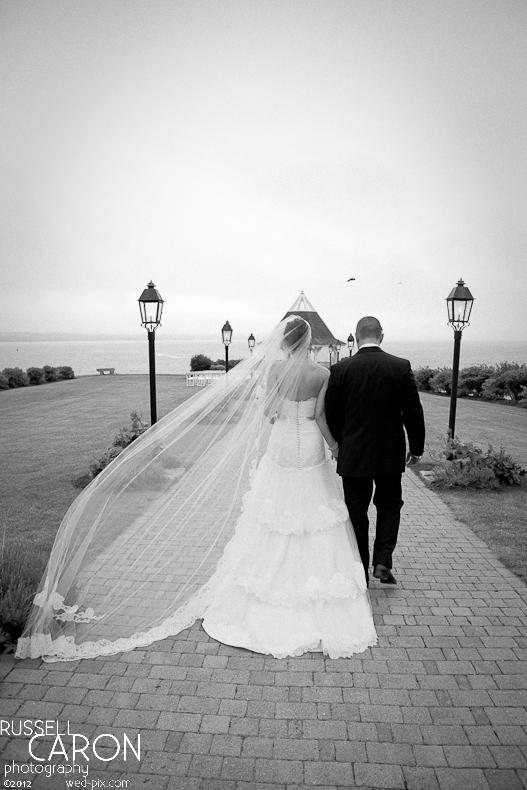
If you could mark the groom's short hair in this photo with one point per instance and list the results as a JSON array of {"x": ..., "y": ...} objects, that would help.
[{"x": 368, "y": 327}]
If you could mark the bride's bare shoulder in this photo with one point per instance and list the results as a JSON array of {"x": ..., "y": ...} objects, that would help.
[{"x": 318, "y": 371}]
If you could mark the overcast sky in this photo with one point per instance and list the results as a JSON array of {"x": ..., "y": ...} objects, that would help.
[{"x": 239, "y": 151}]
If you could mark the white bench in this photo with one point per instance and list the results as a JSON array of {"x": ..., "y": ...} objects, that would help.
[{"x": 200, "y": 378}]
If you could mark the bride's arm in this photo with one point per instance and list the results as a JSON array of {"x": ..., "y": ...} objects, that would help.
[
  {"x": 271, "y": 395},
  {"x": 320, "y": 417}
]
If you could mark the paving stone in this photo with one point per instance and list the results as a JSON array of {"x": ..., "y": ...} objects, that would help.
[
  {"x": 511, "y": 734},
  {"x": 392, "y": 753},
  {"x": 481, "y": 735},
  {"x": 336, "y": 730},
  {"x": 379, "y": 776},
  {"x": 244, "y": 726},
  {"x": 295, "y": 749},
  {"x": 428, "y": 755},
  {"x": 465, "y": 778},
  {"x": 503, "y": 779},
  {"x": 381, "y": 713},
  {"x": 257, "y": 747},
  {"x": 195, "y": 743},
  {"x": 406, "y": 733},
  {"x": 323, "y": 773},
  {"x": 184, "y": 722},
  {"x": 238, "y": 768},
  {"x": 508, "y": 756},
  {"x": 272, "y": 728},
  {"x": 205, "y": 765},
  {"x": 347, "y": 751},
  {"x": 469, "y": 756},
  {"x": 419, "y": 778}
]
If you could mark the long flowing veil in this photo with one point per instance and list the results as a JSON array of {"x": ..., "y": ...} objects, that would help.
[{"x": 135, "y": 550}]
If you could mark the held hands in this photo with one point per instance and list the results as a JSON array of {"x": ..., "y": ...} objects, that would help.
[
  {"x": 334, "y": 450},
  {"x": 411, "y": 460}
]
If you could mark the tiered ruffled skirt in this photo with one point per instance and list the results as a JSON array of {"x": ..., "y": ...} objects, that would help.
[{"x": 291, "y": 580}]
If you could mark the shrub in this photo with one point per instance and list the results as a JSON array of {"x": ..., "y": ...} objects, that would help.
[
  {"x": 522, "y": 402},
  {"x": 122, "y": 439},
  {"x": 468, "y": 466},
  {"x": 220, "y": 364},
  {"x": 4, "y": 382},
  {"x": 50, "y": 373},
  {"x": 464, "y": 474},
  {"x": 97, "y": 465},
  {"x": 36, "y": 375},
  {"x": 507, "y": 384},
  {"x": 128, "y": 434},
  {"x": 16, "y": 377},
  {"x": 20, "y": 574},
  {"x": 507, "y": 471},
  {"x": 65, "y": 372},
  {"x": 442, "y": 381},
  {"x": 200, "y": 362},
  {"x": 472, "y": 379},
  {"x": 422, "y": 378}
]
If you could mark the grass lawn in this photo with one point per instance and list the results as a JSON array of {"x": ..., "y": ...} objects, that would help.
[
  {"x": 497, "y": 517},
  {"x": 51, "y": 433}
]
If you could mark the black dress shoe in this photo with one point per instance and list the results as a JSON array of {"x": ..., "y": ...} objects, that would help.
[{"x": 384, "y": 574}]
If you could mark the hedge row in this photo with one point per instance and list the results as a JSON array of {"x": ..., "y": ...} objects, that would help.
[
  {"x": 506, "y": 381},
  {"x": 16, "y": 377},
  {"x": 202, "y": 362}
]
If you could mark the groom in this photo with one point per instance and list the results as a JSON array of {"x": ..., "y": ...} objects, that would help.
[{"x": 371, "y": 399}]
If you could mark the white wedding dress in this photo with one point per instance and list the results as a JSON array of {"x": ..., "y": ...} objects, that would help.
[{"x": 291, "y": 580}]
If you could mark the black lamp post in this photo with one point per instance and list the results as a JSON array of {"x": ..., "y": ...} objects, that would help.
[
  {"x": 151, "y": 307},
  {"x": 251, "y": 342},
  {"x": 226, "y": 335},
  {"x": 337, "y": 349},
  {"x": 331, "y": 350},
  {"x": 351, "y": 343},
  {"x": 459, "y": 304}
]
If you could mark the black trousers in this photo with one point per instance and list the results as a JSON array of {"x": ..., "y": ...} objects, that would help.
[{"x": 388, "y": 502}]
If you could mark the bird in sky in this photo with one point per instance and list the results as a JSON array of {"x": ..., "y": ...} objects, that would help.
[{"x": 351, "y": 278}]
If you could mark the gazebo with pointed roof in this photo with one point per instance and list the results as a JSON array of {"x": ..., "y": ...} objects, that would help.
[{"x": 321, "y": 336}]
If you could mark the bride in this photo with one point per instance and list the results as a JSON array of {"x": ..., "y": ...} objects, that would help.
[{"x": 229, "y": 510}]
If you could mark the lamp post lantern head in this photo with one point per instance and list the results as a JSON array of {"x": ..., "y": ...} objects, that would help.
[
  {"x": 338, "y": 347},
  {"x": 226, "y": 333},
  {"x": 459, "y": 305},
  {"x": 351, "y": 341},
  {"x": 251, "y": 341},
  {"x": 151, "y": 307}
]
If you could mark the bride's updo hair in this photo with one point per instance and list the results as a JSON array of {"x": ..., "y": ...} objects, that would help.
[{"x": 295, "y": 334}]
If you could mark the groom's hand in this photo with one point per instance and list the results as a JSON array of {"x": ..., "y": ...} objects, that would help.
[{"x": 412, "y": 459}]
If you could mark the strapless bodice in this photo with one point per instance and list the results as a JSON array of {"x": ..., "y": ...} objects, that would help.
[
  {"x": 297, "y": 410},
  {"x": 296, "y": 441}
]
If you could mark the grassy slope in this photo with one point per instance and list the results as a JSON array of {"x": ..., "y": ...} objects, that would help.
[{"x": 52, "y": 432}]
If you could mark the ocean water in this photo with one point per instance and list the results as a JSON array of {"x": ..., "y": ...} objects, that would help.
[{"x": 173, "y": 356}]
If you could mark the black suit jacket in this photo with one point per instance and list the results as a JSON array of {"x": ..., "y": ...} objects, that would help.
[{"x": 371, "y": 398}]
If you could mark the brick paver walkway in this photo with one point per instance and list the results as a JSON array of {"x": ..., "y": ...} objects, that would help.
[{"x": 439, "y": 704}]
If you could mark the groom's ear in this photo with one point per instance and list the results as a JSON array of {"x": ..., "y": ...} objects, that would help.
[{"x": 382, "y": 338}]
